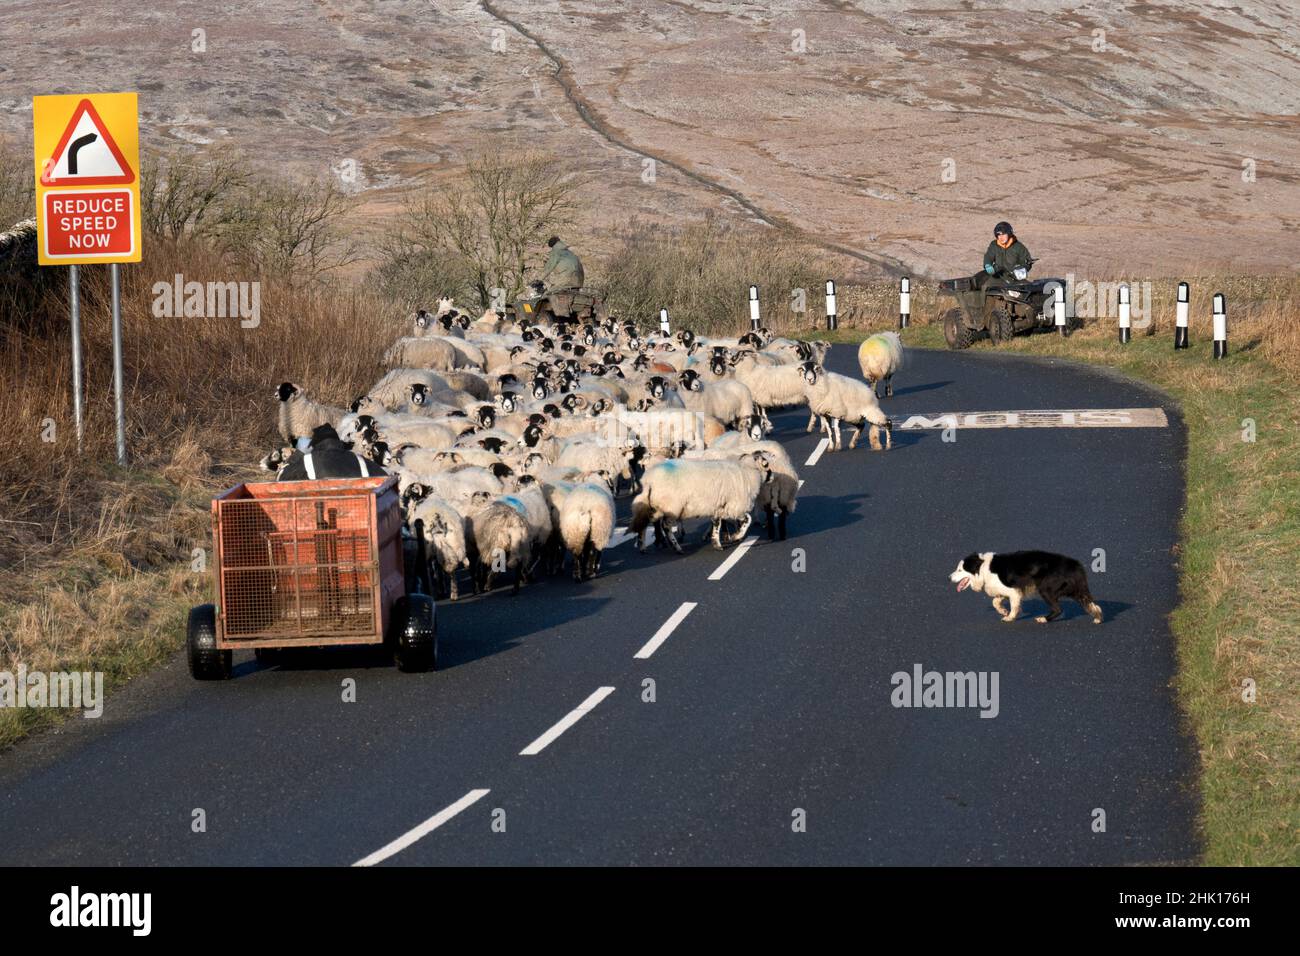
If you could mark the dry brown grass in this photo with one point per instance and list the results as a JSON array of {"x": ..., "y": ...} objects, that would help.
[
  {"x": 95, "y": 560},
  {"x": 701, "y": 274}
]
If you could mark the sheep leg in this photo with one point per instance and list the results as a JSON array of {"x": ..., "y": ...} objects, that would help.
[
  {"x": 784, "y": 512},
  {"x": 577, "y": 563},
  {"x": 453, "y": 591},
  {"x": 875, "y": 438},
  {"x": 838, "y": 442},
  {"x": 670, "y": 537},
  {"x": 853, "y": 439},
  {"x": 745, "y": 522},
  {"x": 770, "y": 523},
  {"x": 716, "y": 533},
  {"x": 812, "y": 417},
  {"x": 889, "y": 386}
]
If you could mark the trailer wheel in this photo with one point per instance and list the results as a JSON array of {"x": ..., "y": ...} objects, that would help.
[
  {"x": 206, "y": 662},
  {"x": 955, "y": 331},
  {"x": 414, "y": 635}
]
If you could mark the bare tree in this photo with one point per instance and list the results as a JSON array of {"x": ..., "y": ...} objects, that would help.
[
  {"x": 290, "y": 228},
  {"x": 189, "y": 196},
  {"x": 488, "y": 228}
]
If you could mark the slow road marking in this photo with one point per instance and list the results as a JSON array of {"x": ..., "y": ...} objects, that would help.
[
  {"x": 569, "y": 719},
  {"x": 668, "y": 627},
  {"x": 1038, "y": 418},
  {"x": 424, "y": 829}
]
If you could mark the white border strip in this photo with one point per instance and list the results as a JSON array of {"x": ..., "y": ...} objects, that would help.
[
  {"x": 424, "y": 829},
  {"x": 567, "y": 721},
  {"x": 735, "y": 556},
  {"x": 817, "y": 452},
  {"x": 668, "y": 627}
]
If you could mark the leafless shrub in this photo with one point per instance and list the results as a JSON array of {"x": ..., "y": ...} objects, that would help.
[
  {"x": 484, "y": 231},
  {"x": 188, "y": 196},
  {"x": 702, "y": 272}
]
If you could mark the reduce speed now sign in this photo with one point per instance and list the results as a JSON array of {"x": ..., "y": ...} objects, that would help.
[{"x": 87, "y": 178}]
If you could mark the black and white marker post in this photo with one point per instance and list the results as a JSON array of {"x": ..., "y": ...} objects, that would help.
[
  {"x": 1180, "y": 315},
  {"x": 904, "y": 301},
  {"x": 753, "y": 307},
  {"x": 1220, "y": 326},
  {"x": 1125, "y": 316},
  {"x": 1058, "y": 309},
  {"x": 832, "y": 316},
  {"x": 663, "y": 322}
]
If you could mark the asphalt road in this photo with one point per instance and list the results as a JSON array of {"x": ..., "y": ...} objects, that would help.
[{"x": 772, "y": 697}]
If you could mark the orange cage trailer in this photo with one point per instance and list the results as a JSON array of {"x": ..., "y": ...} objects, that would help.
[{"x": 310, "y": 564}]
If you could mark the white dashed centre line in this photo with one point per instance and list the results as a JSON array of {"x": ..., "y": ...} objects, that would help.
[
  {"x": 569, "y": 719},
  {"x": 735, "y": 556},
  {"x": 424, "y": 829},
  {"x": 668, "y": 627},
  {"x": 817, "y": 452}
]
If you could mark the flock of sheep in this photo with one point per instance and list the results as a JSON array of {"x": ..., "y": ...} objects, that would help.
[{"x": 510, "y": 440}]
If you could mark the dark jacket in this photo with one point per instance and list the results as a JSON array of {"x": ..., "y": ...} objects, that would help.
[
  {"x": 330, "y": 458},
  {"x": 1004, "y": 261},
  {"x": 563, "y": 269}
]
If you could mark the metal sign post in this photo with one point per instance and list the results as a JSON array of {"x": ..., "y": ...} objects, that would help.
[
  {"x": 119, "y": 400},
  {"x": 74, "y": 301}
]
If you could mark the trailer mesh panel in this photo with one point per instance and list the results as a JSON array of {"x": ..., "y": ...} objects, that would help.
[{"x": 298, "y": 567}]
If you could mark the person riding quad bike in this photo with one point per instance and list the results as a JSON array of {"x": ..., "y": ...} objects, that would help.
[
  {"x": 1001, "y": 301},
  {"x": 1005, "y": 257},
  {"x": 559, "y": 293},
  {"x": 563, "y": 269}
]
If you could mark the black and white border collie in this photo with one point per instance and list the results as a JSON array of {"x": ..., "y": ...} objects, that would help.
[{"x": 1020, "y": 574}]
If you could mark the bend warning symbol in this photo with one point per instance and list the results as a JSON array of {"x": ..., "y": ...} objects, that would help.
[{"x": 87, "y": 154}]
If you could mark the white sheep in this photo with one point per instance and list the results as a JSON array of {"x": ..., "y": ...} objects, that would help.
[
  {"x": 838, "y": 398},
  {"x": 879, "y": 357},
  {"x": 770, "y": 386},
  {"x": 299, "y": 416},
  {"x": 443, "y": 527},
  {"x": 778, "y": 497},
  {"x": 501, "y": 540},
  {"x": 717, "y": 490},
  {"x": 728, "y": 400},
  {"x": 586, "y": 526},
  {"x": 530, "y": 501},
  {"x": 394, "y": 389},
  {"x": 431, "y": 351}
]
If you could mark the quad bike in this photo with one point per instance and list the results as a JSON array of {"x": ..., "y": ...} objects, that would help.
[
  {"x": 1000, "y": 310},
  {"x": 564, "y": 305}
]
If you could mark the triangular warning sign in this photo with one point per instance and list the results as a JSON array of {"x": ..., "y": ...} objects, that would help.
[{"x": 86, "y": 154}]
